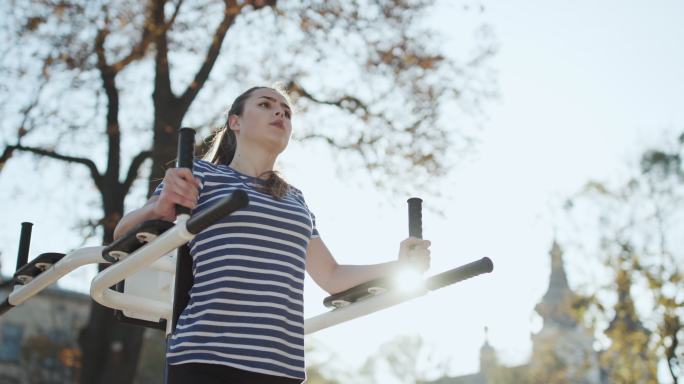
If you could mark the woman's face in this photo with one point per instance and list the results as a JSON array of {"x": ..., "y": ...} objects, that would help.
[{"x": 265, "y": 120}]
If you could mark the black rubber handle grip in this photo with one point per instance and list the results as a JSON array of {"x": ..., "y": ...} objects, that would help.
[
  {"x": 237, "y": 200},
  {"x": 461, "y": 273},
  {"x": 415, "y": 219},
  {"x": 185, "y": 156},
  {"x": 24, "y": 244}
]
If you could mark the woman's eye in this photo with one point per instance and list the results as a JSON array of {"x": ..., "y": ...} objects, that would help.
[{"x": 264, "y": 103}]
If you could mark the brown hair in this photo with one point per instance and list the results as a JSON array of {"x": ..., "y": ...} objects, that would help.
[{"x": 223, "y": 144}]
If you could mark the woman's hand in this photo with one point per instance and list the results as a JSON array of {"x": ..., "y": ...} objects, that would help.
[
  {"x": 180, "y": 187},
  {"x": 414, "y": 251}
]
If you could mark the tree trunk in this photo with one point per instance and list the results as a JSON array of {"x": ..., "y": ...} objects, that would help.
[
  {"x": 167, "y": 122},
  {"x": 110, "y": 349}
]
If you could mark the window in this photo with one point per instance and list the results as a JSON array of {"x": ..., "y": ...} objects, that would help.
[{"x": 10, "y": 342}]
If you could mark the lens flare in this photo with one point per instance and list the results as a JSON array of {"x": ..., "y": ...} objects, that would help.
[{"x": 408, "y": 279}]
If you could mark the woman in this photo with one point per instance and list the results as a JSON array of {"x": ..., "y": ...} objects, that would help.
[{"x": 244, "y": 321}]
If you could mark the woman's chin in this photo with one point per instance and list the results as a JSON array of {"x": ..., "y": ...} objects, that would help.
[{"x": 275, "y": 144}]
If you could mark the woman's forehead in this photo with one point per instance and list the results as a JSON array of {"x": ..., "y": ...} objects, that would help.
[{"x": 269, "y": 93}]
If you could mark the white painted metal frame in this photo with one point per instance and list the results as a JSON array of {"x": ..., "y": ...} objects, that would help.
[
  {"x": 142, "y": 257},
  {"x": 151, "y": 255},
  {"x": 70, "y": 262}
]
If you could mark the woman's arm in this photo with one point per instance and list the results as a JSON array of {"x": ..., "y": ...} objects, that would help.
[
  {"x": 180, "y": 188},
  {"x": 133, "y": 218},
  {"x": 334, "y": 278}
]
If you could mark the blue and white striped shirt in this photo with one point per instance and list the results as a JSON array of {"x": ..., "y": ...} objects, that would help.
[{"x": 246, "y": 304}]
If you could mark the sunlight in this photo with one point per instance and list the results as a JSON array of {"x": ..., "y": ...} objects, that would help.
[{"x": 408, "y": 279}]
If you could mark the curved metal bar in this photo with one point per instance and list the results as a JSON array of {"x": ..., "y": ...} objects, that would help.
[
  {"x": 143, "y": 257},
  {"x": 73, "y": 260}
]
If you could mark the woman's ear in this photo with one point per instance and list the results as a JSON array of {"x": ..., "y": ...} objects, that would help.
[{"x": 234, "y": 123}]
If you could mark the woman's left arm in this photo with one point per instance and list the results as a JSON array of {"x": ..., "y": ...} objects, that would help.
[{"x": 334, "y": 277}]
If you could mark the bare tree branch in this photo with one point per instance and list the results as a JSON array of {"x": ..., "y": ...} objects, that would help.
[
  {"x": 133, "y": 169},
  {"x": 26, "y": 111},
  {"x": 347, "y": 102},
  {"x": 231, "y": 10},
  {"x": 169, "y": 23},
  {"x": 162, "y": 80},
  {"x": 97, "y": 177},
  {"x": 6, "y": 154},
  {"x": 139, "y": 49},
  {"x": 149, "y": 30},
  {"x": 108, "y": 75},
  {"x": 325, "y": 138}
]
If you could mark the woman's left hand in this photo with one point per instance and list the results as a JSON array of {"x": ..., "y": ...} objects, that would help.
[{"x": 416, "y": 252}]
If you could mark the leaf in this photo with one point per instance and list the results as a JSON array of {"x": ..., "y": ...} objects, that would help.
[
  {"x": 595, "y": 186},
  {"x": 32, "y": 23}
]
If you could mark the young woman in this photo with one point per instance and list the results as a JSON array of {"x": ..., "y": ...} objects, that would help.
[{"x": 244, "y": 322}]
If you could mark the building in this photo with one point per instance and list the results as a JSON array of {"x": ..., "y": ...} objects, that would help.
[
  {"x": 38, "y": 339},
  {"x": 562, "y": 351}
]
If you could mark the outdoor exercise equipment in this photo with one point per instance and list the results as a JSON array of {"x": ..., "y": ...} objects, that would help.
[
  {"x": 151, "y": 268},
  {"x": 388, "y": 291}
]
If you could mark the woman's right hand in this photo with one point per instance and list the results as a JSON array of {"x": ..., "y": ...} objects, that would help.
[{"x": 181, "y": 188}]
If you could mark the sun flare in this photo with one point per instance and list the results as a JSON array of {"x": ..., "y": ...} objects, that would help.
[{"x": 408, "y": 279}]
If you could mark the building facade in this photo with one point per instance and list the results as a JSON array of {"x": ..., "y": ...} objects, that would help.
[
  {"x": 562, "y": 351},
  {"x": 38, "y": 339}
]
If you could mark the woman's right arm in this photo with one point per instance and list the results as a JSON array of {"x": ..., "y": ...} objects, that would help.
[{"x": 180, "y": 188}]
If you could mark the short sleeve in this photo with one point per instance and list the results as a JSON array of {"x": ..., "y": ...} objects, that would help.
[
  {"x": 314, "y": 232},
  {"x": 198, "y": 169},
  {"x": 300, "y": 196},
  {"x": 158, "y": 190}
]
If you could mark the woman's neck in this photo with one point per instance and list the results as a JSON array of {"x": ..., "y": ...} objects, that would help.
[{"x": 252, "y": 165}]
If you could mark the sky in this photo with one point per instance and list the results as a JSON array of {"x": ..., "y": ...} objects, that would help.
[{"x": 584, "y": 87}]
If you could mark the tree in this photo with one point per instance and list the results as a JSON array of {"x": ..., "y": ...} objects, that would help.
[
  {"x": 77, "y": 77},
  {"x": 636, "y": 228},
  {"x": 321, "y": 367},
  {"x": 408, "y": 359},
  {"x": 630, "y": 357}
]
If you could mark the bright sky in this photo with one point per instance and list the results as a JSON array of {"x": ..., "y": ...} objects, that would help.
[{"x": 584, "y": 87}]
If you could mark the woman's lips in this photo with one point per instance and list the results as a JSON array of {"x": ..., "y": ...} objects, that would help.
[{"x": 279, "y": 124}]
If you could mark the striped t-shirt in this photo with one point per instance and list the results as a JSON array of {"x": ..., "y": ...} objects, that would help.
[{"x": 246, "y": 304}]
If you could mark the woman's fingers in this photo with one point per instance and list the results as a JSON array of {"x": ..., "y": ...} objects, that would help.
[
  {"x": 169, "y": 199},
  {"x": 184, "y": 188},
  {"x": 415, "y": 251},
  {"x": 419, "y": 252},
  {"x": 181, "y": 188},
  {"x": 413, "y": 243},
  {"x": 186, "y": 175},
  {"x": 420, "y": 258},
  {"x": 181, "y": 199},
  {"x": 182, "y": 182}
]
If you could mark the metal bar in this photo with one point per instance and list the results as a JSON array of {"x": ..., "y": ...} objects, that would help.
[
  {"x": 142, "y": 257},
  {"x": 358, "y": 309},
  {"x": 395, "y": 296},
  {"x": 73, "y": 260}
]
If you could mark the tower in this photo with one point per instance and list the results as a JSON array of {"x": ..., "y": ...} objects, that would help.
[
  {"x": 562, "y": 352},
  {"x": 488, "y": 361}
]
